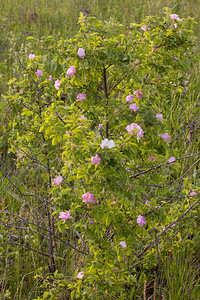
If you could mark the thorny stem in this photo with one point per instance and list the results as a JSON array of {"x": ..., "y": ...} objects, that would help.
[
  {"x": 107, "y": 97},
  {"x": 52, "y": 266}
]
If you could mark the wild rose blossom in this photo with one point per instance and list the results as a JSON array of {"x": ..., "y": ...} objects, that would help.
[
  {"x": 140, "y": 220},
  {"x": 31, "y": 56},
  {"x": 129, "y": 98},
  {"x": 57, "y": 84},
  {"x": 144, "y": 27},
  {"x": 57, "y": 181},
  {"x": 152, "y": 158},
  {"x": 193, "y": 193},
  {"x": 71, "y": 71},
  {"x": 50, "y": 77},
  {"x": 159, "y": 116},
  {"x": 133, "y": 107},
  {"x": 39, "y": 73},
  {"x": 80, "y": 275},
  {"x": 87, "y": 197},
  {"x": 123, "y": 244},
  {"x": 81, "y": 52},
  {"x": 81, "y": 97},
  {"x": 138, "y": 94},
  {"x": 100, "y": 126},
  {"x": 82, "y": 118},
  {"x": 165, "y": 136},
  {"x": 65, "y": 215},
  {"x": 95, "y": 160},
  {"x": 106, "y": 144},
  {"x": 174, "y": 16},
  {"x": 171, "y": 159},
  {"x": 135, "y": 128}
]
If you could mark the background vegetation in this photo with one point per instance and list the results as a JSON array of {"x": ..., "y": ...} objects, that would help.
[{"x": 19, "y": 19}]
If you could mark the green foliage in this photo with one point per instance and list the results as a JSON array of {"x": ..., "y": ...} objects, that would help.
[{"x": 159, "y": 63}]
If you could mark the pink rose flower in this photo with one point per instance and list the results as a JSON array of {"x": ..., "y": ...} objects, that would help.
[
  {"x": 171, "y": 159},
  {"x": 100, "y": 126},
  {"x": 80, "y": 275},
  {"x": 31, "y": 56},
  {"x": 140, "y": 220},
  {"x": 174, "y": 16},
  {"x": 65, "y": 215},
  {"x": 50, "y": 77},
  {"x": 87, "y": 197},
  {"x": 96, "y": 159},
  {"x": 159, "y": 116},
  {"x": 193, "y": 193},
  {"x": 135, "y": 128},
  {"x": 133, "y": 107},
  {"x": 152, "y": 158},
  {"x": 129, "y": 98},
  {"x": 123, "y": 244},
  {"x": 57, "y": 84},
  {"x": 144, "y": 27},
  {"x": 81, "y": 52},
  {"x": 165, "y": 136},
  {"x": 39, "y": 73},
  {"x": 71, "y": 71},
  {"x": 57, "y": 181},
  {"x": 138, "y": 94},
  {"x": 82, "y": 118},
  {"x": 81, "y": 97}
]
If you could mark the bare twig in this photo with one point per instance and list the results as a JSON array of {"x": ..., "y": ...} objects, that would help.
[
  {"x": 162, "y": 165},
  {"x": 44, "y": 254},
  {"x": 42, "y": 228},
  {"x": 183, "y": 131},
  {"x": 162, "y": 232}
]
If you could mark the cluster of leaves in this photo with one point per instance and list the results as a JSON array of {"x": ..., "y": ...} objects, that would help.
[{"x": 60, "y": 134}]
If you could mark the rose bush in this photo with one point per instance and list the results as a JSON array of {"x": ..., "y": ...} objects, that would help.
[{"x": 81, "y": 131}]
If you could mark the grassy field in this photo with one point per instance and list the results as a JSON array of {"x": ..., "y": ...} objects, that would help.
[
  {"x": 60, "y": 17},
  {"x": 19, "y": 19},
  {"x": 22, "y": 18}
]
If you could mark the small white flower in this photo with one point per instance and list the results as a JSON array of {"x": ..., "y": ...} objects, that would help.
[{"x": 106, "y": 144}]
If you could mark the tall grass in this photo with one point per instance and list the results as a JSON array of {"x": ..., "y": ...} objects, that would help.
[{"x": 59, "y": 16}]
